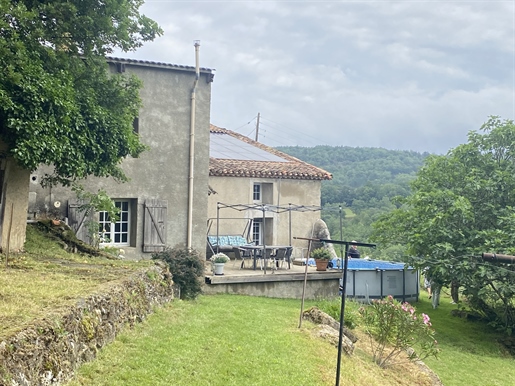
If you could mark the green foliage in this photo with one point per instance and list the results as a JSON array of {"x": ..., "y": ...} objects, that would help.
[
  {"x": 365, "y": 183},
  {"x": 321, "y": 253},
  {"x": 395, "y": 328},
  {"x": 59, "y": 105},
  {"x": 462, "y": 204},
  {"x": 187, "y": 270},
  {"x": 366, "y": 174},
  {"x": 93, "y": 203},
  {"x": 332, "y": 308},
  {"x": 219, "y": 258}
]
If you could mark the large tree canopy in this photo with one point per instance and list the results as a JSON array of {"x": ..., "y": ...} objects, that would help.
[
  {"x": 462, "y": 204},
  {"x": 58, "y": 104}
]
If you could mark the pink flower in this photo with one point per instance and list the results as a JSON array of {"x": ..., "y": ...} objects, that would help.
[{"x": 426, "y": 319}]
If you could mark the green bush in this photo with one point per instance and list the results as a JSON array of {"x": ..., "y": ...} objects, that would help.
[
  {"x": 321, "y": 253},
  {"x": 332, "y": 307},
  {"x": 396, "y": 328},
  {"x": 187, "y": 269}
]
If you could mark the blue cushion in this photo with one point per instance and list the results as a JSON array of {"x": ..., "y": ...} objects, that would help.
[{"x": 228, "y": 240}]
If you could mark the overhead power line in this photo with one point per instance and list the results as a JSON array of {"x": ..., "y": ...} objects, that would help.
[{"x": 275, "y": 135}]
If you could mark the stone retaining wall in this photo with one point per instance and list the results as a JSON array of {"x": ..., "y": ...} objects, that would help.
[{"x": 50, "y": 350}]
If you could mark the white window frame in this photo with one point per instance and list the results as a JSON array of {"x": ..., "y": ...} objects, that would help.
[
  {"x": 257, "y": 192},
  {"x": 257, "y": 231},
  {"x": 117, "y": 233}
]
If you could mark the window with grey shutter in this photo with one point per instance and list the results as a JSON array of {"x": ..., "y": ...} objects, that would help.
[{"x": 154, "y": 227}]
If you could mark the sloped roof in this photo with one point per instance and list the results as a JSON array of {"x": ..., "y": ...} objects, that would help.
[
  {"x": 253, "y": 159},
  {"x": 150, "y": 63}
]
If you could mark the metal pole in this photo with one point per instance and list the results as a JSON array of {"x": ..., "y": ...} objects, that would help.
[
  {"x": 342, "y": 313},
  {"x": 263, "y": 255},
  {"x": 341, "y": 233},
  {"x": 289, "y": 225},
  {"x": 497, "y": 257},
  {"x": 304, "y": 286},
  {"x": 257, "y": 127},
  {"x": 217, "y": 227}
]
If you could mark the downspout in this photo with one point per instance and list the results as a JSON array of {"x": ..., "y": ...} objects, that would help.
[{"x": 192, "y": 145}]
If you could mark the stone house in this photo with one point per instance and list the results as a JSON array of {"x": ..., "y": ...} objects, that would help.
[
  {"x": 255, "y": 186},
  {"x": 165, "y": 201}
]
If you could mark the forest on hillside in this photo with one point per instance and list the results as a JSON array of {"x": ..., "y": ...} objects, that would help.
[{"x": 365, "y": 180}]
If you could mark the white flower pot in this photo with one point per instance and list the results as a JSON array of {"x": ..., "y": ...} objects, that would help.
[{"x": 218, "y": 268}]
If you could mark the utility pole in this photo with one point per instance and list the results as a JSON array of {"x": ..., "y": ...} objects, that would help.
[{"x": 257, "y": 127}]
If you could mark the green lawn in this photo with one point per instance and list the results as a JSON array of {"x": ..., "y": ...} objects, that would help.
[
  {"x": 470, "y": 353},
  {"x": 230, "y": 340},
  {"x": 239, "y": 340}
]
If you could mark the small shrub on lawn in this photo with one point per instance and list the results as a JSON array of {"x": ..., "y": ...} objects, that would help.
[
  {"x": 395, "y": 328},
  {"x": 187, "y": 269},
  {"x": 332, "y": 308}
]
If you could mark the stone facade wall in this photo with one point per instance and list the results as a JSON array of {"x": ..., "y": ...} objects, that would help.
[{"x": 50, "y": 350}]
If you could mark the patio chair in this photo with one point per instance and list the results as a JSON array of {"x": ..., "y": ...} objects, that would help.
[
  {"x": 283, "y": 255},
  {"x": 279, "y": 256},
  {"x": 287, "y": 256},
  {"x": 240, "y": 254},
  {"x": 264, "y": 259}
]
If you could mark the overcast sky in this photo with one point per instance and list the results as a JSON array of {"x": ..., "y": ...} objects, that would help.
[{"x": 410, "y": 75}]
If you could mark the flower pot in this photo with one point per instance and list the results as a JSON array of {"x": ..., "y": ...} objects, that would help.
[
  {"x": 321, "y": 264},
  {"x": 218, "y": 268}
]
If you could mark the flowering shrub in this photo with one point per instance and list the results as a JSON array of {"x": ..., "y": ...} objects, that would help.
[
  {"x": 219, "y": 258},
  {"x": 394, "y": 328}
]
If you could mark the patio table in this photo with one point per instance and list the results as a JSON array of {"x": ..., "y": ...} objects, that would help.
[{"x": 257, "y": 251}]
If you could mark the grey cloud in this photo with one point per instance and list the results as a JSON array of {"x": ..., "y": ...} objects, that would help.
[{"x": 396, "y": 74}]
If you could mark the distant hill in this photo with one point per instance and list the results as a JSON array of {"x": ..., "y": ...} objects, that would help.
[{"x": 364, "y": 173}]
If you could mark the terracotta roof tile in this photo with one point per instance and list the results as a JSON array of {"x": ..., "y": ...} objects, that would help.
[{"x": 292, "y": 168}]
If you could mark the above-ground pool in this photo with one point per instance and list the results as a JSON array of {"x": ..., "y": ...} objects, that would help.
[{"x": 375, "y": 279}]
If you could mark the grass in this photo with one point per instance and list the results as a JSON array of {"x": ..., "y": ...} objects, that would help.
[
  {"x": 471, "y": 354},
  {"x": 46, "y": 278},
  {"x": 228, "y": 340},
  {"x": 238, "y": 340},
  {"x": 231, "y": 340}
]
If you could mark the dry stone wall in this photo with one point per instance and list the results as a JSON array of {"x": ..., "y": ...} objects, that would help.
[{"x": 51, "y": 350}]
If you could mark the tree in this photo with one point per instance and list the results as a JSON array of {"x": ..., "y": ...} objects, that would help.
[
  {"x": 462, "y": 204},
  {"x": 58, "y": 104}
]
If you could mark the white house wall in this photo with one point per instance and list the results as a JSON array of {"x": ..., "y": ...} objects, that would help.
[{"x": 239, "y": 190}]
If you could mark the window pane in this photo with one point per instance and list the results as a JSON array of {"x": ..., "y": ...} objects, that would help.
[
  {"x": 257, "y": 192},
  {"x": 118, "y": 232}
]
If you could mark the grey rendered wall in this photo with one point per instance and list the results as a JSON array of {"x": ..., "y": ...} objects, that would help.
[
  {"x": 13, "y": 203},
  {"x": 162, "y": 171}
]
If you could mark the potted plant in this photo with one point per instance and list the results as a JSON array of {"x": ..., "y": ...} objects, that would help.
[
  {"x": 321, "y": 256},
  {"x": 219, "y": 260}
]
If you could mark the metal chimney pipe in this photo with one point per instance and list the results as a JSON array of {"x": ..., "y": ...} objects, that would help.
[{"x": 192, "y": 146}]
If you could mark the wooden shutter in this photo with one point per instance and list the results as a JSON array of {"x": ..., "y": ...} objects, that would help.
[
  {"x": 154, "y": 227},
  {"x": 78, "y": 219}
]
